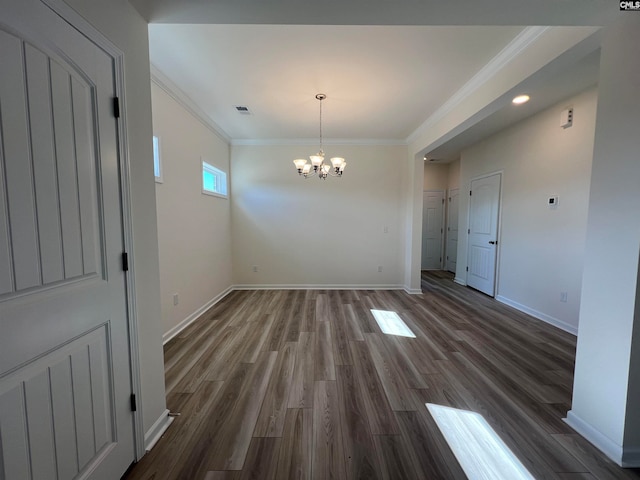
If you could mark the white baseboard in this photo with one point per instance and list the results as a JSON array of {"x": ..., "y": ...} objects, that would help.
[
  {"x": 157, "y": 430},
  {"x": 460, "y": 281},
  {"x": 413, "y": 291},
  {"x": 191, "y": 318},
  {"x": 316, "y": 287},
  {"x": 603, "y": 443},
  {"x": 539, "y": 315}
]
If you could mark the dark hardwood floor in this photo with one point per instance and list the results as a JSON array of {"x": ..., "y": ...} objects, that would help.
[{"x": 295, "y": 384}]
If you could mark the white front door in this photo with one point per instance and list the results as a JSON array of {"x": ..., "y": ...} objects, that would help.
[
  {"x": 484, "y": 204},
  {"x": 65, "y": 378},
  {"x": 432, "y": 229},
  {"x": 452, "y": 230}
]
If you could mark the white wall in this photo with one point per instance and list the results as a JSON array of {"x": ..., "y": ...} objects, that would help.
[
  {"x": 121, "y": 24},
  {"x": 436, "y": 177},
  {"x": 541, "y": 250},
  {"x": 318, "y": 232},
  {"x": 454, "y": 174},
  {"x": 607, "y": 377},
  {"x": 194, "y": 230}
]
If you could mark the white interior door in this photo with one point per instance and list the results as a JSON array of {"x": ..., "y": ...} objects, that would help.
[
  {"x": 65, "y": 379},
  {"x": 432, "y": 229},
  {"x": 484, "y": 204},
  {"x": 452, "y": 230}
]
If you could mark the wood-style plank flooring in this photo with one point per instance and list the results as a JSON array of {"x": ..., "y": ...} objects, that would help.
[{"x": 295, "y": 384}]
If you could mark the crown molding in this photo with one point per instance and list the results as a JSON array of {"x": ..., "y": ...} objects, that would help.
[
  {"x": 175, "y": 92},
  {"x": 515, "y": 47},
  {"x": 314, "y": 141}
]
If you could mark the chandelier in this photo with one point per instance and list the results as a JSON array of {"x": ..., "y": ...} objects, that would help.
[{"x": 317, "y": 165}]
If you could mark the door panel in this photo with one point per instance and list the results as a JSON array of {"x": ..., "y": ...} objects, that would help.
[
  {"x": 65, "y": 379},
  {"x": 432, "y": 216},
  {"x": 452, "y": 230},
  {"x": 483, "y": 233}
]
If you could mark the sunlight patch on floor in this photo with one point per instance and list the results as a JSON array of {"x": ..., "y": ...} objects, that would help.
[
  {"x": 391, "y": 324},
  {"x": 478, "y": 448}
]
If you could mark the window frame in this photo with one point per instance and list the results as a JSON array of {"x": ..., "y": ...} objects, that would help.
[
  {"x": 157, "y": 159},
  {"x": 208, "y": 167}
]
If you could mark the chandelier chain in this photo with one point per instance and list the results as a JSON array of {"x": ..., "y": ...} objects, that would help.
[{"x": 321, "y": 124}]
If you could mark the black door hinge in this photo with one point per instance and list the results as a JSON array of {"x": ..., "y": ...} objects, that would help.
[
  {"x": 125, "y": 261},
  {"x": 468, "y": 231},
  {"x": 470, "y": 193},
  {"x": 467, "y": 269},
  {"x": 443, "y": 201},
  {"x": 116, "y": 107},
  {"x": 134, "y": 406}
]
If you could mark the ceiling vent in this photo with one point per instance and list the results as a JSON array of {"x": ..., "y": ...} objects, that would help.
[{"x": 242, "y": 109}]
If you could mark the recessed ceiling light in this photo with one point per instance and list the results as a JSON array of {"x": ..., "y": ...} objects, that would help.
[{"x": 520, "y": 99}]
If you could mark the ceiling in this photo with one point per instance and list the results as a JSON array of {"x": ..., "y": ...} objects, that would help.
[{"x": 382, "y": 81}]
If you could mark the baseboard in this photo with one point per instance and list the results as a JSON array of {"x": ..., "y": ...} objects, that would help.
[
  {"x": 316, "y": 287},
  {"x": 630, "y": 457},
  {"x": 460, "y": 281},
  {"x": 539, "y": 315},
  {"x": 412, "y": 291},
  {"x": 597, "y": 438},
  {"x": 157, "y": 430},
  {"x": 191, "y": 318}
]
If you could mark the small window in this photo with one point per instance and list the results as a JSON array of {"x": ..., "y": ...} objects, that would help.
[
  {"x": 214, "y": 181},
  {"x": 157, "y": 163}
]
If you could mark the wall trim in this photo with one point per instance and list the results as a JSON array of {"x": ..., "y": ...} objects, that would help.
[
  {"x": 194, "y": 316},
  {"x": 460, "y": 281},
  {"x": 316, "y": 287},
  {"x": 412, "y": 291},
  {"x": 630, "y": 457},
  {"x": 539, "y": 315},
  {"x": 175, "y": 92},
  {"x": 521, "y": 42},
  {"x": 314, "y": 141},
  {"x": 157, "y": 430},
  {"x": 597, "y": 438}
]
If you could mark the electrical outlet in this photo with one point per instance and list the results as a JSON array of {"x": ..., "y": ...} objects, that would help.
[
  {"x": 563, "y": 297},
  {"x": 254, "y": 268},
  {"x": 379, "y": 268},
  {"x": 176, "y": 299}
]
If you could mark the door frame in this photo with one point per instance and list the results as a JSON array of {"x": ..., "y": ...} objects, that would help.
[
  {"x": 85, "y": 28},
  {"x": 496, "y": 275},
  {"x": 448, "y": 227},
  {"x": 442, "y": 226}
]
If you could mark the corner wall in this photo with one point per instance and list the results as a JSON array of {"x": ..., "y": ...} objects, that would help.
[
  {"x": 194, "y": 230},
  {"x": 312, "y": 232},
  {"x": 541, "y": 249}
]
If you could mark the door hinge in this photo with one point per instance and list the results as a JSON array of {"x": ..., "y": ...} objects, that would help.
[
  {"x": 449, "y": 198},
  {"x": 467, "y": 269},
  {"x": 443, "y": 201},
  {"x": 470, "y": 193},
  {"x": 468, "y": 231},
  {"x": 116, "y": 107},
  {"x": 125, "y": 262},
  {"x": 447, "y": 257},
  {"x": 441, "y": 231},
  {"x": 134, "y": 405}
]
